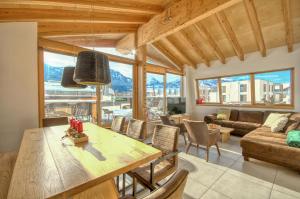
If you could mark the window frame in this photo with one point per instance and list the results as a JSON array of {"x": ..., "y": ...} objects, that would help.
[
  {"x": 239, "y": 88},
  {"x": 164, "y": 74},
  {"x": 219, "y": 91},
  {"x": 253, "y": 103}
]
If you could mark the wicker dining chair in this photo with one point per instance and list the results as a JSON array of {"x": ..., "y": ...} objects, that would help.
[
  {"x": 135, "y": 129},
  {"x": 199, "y": 134},
  {"x": 165, "y": 138},
  {"x": 55, "y": 121},
  {"x": 165, "y": 119},
  {"x": 117, "y": 124},
  {"x": 172, "y": 189}
]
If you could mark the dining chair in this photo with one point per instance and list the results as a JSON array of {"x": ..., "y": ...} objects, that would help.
[
  {"x": 172, "y": 189},
  {"x": 199, "y": 134},
  {"x": 165, "y": 119},
  {"x": 55, "y": 121},
  {"x": 165, "y": 138},
  {"x": 135, "y": 129},
  {"x": 117, "y": 124}
]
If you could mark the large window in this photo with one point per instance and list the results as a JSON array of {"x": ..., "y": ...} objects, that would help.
[
  {"x": 236, "y": 89},
  {"x": 274, "y": 89},
  {"x": 173, "y": 85},
  {"x": 60, "y": 101},
  {"x": 208, "y": 90},
  {"x": 117, "y": 97},
  {"x": 155, "y": 95}
]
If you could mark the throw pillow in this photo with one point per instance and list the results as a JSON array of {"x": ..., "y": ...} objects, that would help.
[
  {"x": 223, "y": 114},
  {"x": 279, "y": 124},
  {"x": 291, "y": 127},
  {"x": 273, "y": 117},
  {"x": 293, "y": 138}
]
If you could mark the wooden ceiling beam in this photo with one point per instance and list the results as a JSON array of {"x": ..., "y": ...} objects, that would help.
[
  {"x": 206, "y": 35},
  {"x": 195, "y": 46},
  {"x": 53, "y": 29},
  {"x": 287, "y": 14},
  {"x": 165, "y": 53},
  {"x": 160, "y": 62},
  {"x": 179, "y": 15},
  {"x": 252, "y": 15},
  {"x": 223, "y": 21},
  {"x": 97, "y": 5},
  {"x": 179, "y": 52},
  {"x": 48, "y": 15},
  {"x": 87, "y": 41},
  {"x": 126, "y": 44},
  {"x": 61, "y": 47}
]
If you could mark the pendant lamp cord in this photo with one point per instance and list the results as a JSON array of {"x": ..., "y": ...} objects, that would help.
[{"x": 98, "y": 87}]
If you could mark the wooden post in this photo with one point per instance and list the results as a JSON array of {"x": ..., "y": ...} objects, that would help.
[
  {"x": 135, "y": 96},
  {"x": 41, "y": 92},
  {"x": 140, "y": 81},
  {"x": 98, "y": 105},
  {"x": 165, "y": 93}
]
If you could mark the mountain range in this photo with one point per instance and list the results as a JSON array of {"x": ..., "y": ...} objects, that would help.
[{"x": 119, "y": 81}]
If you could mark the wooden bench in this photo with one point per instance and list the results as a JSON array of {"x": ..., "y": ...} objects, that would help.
[{"x": 7, "y": 162}]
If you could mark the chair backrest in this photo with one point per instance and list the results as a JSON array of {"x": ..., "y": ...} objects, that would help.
[
  {"x": 135, "y": 129},
  {"x": 165, "y": 138},
  {"x": 55, "y": 121},
  {"x": 82, "y": 109},
  {"x": 117, "y": 124},
  {"x": 165, "y": 120},
  {"x": 197, "y": 131},
  {"x": 173, "y": 188}
]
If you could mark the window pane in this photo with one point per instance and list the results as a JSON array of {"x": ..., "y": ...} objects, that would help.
[
  {"x": 209, "y": 90},
  {"x": 117, "y": 97},
  {"x": 236, "y": 89},
  {"x": 173, "y": 85},
  {"x": 273, "y": 87},
  {"x": 60, "y": 101},
  {"x": 155, "y": 95}
]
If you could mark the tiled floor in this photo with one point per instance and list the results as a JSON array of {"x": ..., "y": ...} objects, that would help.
[{"x": 230, "y": 177}]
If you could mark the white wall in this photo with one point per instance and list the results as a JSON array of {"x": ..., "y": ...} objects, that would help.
[
  {"x": 18, "y": 82},
  {"x": 277, "y": 58}
]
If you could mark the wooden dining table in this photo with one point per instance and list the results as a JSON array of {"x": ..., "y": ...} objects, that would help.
[{"x": 48, "y": 166}]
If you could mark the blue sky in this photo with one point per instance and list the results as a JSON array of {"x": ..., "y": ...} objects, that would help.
[{"x": 276, "y": 77}]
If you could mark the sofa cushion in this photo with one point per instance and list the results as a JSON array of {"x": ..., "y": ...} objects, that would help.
[
  {"x": 245, "y": 125},
  {"x": 251, "y": 116},
  {"x": 290, "y": 127},
  {"x": 234, "y": 115},
  {"x": 225, "y": 123},
  {"x": 279, "y": 124},
  {"x": 267, "y": 113},
  {"x": 223, "y": 114}
]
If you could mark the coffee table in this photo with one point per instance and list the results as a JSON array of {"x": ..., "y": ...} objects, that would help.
[{"x": 224, "y": 131}]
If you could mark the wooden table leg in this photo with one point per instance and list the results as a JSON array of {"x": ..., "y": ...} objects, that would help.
[{"x": 225, "y": 137}]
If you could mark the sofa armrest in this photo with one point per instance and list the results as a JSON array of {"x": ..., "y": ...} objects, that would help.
[{"x": 210, "y": 118}]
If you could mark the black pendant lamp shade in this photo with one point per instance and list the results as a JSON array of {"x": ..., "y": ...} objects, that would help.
[
  {"x": 92, "y": 68},
  {"x": 67, "y": 78}
]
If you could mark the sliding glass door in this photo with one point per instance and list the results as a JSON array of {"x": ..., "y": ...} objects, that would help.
[
  {"x": 116, "y": 98},
  {"x": 155, "y": 95}
]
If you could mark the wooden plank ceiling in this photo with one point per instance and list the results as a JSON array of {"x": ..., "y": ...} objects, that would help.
[{"x": 230, "y": 28}]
